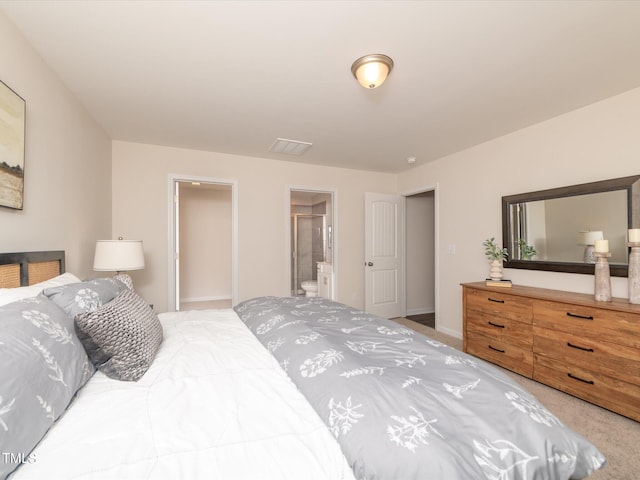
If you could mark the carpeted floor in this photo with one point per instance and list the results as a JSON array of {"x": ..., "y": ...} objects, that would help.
[{"x": 617, "y": 437}]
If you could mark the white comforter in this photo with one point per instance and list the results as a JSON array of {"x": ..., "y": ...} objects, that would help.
[{"x": 214, "y": 404}]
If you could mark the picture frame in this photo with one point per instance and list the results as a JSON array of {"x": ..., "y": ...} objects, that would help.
[{"x": 12, "y": 150}]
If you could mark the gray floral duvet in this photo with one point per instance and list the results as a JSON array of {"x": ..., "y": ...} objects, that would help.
[{"x": 404, "y": 406}]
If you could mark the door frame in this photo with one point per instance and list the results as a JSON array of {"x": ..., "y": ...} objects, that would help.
[
  {"x": 436, "y": 242},
  {"x": 334, "y": 233},
  {"x": 174, "y": 178}
]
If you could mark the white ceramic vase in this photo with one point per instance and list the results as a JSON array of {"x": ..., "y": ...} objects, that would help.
[{"x": 495, "y": 273}]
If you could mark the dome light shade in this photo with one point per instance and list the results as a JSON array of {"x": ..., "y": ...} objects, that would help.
[{"x": 372, "y": 70}]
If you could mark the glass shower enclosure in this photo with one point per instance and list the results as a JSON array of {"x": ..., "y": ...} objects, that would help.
[{"x": 308, "y": 248}]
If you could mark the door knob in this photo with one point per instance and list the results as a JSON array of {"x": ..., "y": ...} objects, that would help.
[{"x": 370, "y": 264}]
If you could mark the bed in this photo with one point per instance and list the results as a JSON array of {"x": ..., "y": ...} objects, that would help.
[
  {"x": 213, "y": 404},
  {"x": 405, "y": 406},
  {"x": 276, "y": 388}
]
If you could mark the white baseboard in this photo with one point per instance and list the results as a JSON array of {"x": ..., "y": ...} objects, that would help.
[
  {"x": 206, "y": 299},
  {"x": 448, "y": 331}
]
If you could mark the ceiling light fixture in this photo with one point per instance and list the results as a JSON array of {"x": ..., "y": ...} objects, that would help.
[{"x": 372, "y": 70}]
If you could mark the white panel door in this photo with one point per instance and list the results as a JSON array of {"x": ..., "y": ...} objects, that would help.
[{"x": 384, "y": 255}]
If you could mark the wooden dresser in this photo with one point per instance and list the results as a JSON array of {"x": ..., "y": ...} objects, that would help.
[{"x": 565, "y": 340}]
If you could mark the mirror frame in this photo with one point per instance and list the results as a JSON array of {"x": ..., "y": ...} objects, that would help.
[{"x": 630, "y": 184}]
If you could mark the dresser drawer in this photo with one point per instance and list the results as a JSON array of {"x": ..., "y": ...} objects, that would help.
[
  {"x": 499, "y": 304},
  {"x": 611, "y": 393},
  {"x": 513, "y": 358},
  {"x": 502, "y": 329},
  {"x": 585, "y": 348},
  {"x": 588, "y": 322},
  {"x": 616, "y": 361}
]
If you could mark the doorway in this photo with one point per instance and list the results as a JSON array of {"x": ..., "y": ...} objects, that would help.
[
  {"x": 311, "y": 250},
  {"x": 420, "y": 251},
  {"x": 401, "y": 242},
  {"x": 203, "y": 259}
]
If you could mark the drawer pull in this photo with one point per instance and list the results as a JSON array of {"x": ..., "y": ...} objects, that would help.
[
  {"x": 496, "y": 349},
  {"x": 569, "y": 344},
  {"x": 590, "y": 382},
  {"x": 496, "y": 325},
  {"x": 584, "y": 317},
  {"x": 494, "y": 300}
]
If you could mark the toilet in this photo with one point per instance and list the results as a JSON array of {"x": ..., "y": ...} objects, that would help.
[{"x": 310, "y": 288}]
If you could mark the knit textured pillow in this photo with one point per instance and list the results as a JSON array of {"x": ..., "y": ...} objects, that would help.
[{"x": 121, "y": 337}]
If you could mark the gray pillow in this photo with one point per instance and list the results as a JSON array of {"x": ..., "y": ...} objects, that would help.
[
  {"x": 121, "y": 337},
  {"x": 42, "y": 366},
  {"x": 84, "y": 297}
]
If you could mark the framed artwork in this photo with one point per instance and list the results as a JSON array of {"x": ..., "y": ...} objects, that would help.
[{"x": 12, "y": 129}]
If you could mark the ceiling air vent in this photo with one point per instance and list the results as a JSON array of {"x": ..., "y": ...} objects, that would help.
[{"x": 290, "y": 147}]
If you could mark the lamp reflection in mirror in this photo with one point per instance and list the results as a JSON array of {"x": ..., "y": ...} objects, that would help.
[
  {"x": 588, "y": 239},
  {"x": 119, "y": 256}
]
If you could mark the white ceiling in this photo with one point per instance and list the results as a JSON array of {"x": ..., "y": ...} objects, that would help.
[{"x": 233, "y": 76}]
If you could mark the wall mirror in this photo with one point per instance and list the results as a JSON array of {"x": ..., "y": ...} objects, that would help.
[{"x": 555, "y": 229}]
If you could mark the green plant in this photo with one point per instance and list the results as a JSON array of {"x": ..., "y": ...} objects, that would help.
[
  {"x": 527, "y": 252},
  {"x": 493, "y": 251}
]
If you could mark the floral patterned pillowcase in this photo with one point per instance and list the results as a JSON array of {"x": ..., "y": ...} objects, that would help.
[
  {"x": 85, "y": 297},
  {"x": 43, "y": 366}
]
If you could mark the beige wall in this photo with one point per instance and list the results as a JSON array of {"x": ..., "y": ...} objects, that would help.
[
  {"x": 67, "y": 192},
  {"x": 596, "y": 142},
  {"x": 69, "y": 185},
  {"x": 590, "y": 144},
  {"x": 140, "y": 211}
]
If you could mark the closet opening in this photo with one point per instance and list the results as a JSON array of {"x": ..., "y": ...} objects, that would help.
[
  {"x": 421, "y": 268},
  {"x": 203, "y": 260}
]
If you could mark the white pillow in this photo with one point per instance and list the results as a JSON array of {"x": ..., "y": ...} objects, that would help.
[
  {"x": 64, "y": 279},
  {"x": 9, "y": 295}
]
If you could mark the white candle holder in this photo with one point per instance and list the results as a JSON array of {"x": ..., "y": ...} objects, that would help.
[
  {"x": 602, "y": 277},
  {"x": 634, "y": 272}
]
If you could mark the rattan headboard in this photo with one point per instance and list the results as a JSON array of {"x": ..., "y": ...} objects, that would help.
[{"x": 27, "y": 268}]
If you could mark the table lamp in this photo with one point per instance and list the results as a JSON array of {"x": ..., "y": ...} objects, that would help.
[{"x": 119, "y": 256}]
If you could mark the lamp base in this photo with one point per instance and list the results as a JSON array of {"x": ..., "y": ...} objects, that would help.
[
  {"x": 124, "y": 278},
  {"x": 588, "y": 254}
]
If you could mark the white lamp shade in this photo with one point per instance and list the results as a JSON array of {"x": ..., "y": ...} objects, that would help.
[
  {"x": 118, "y": 255},
  {"x": 589, "y": 238}
]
